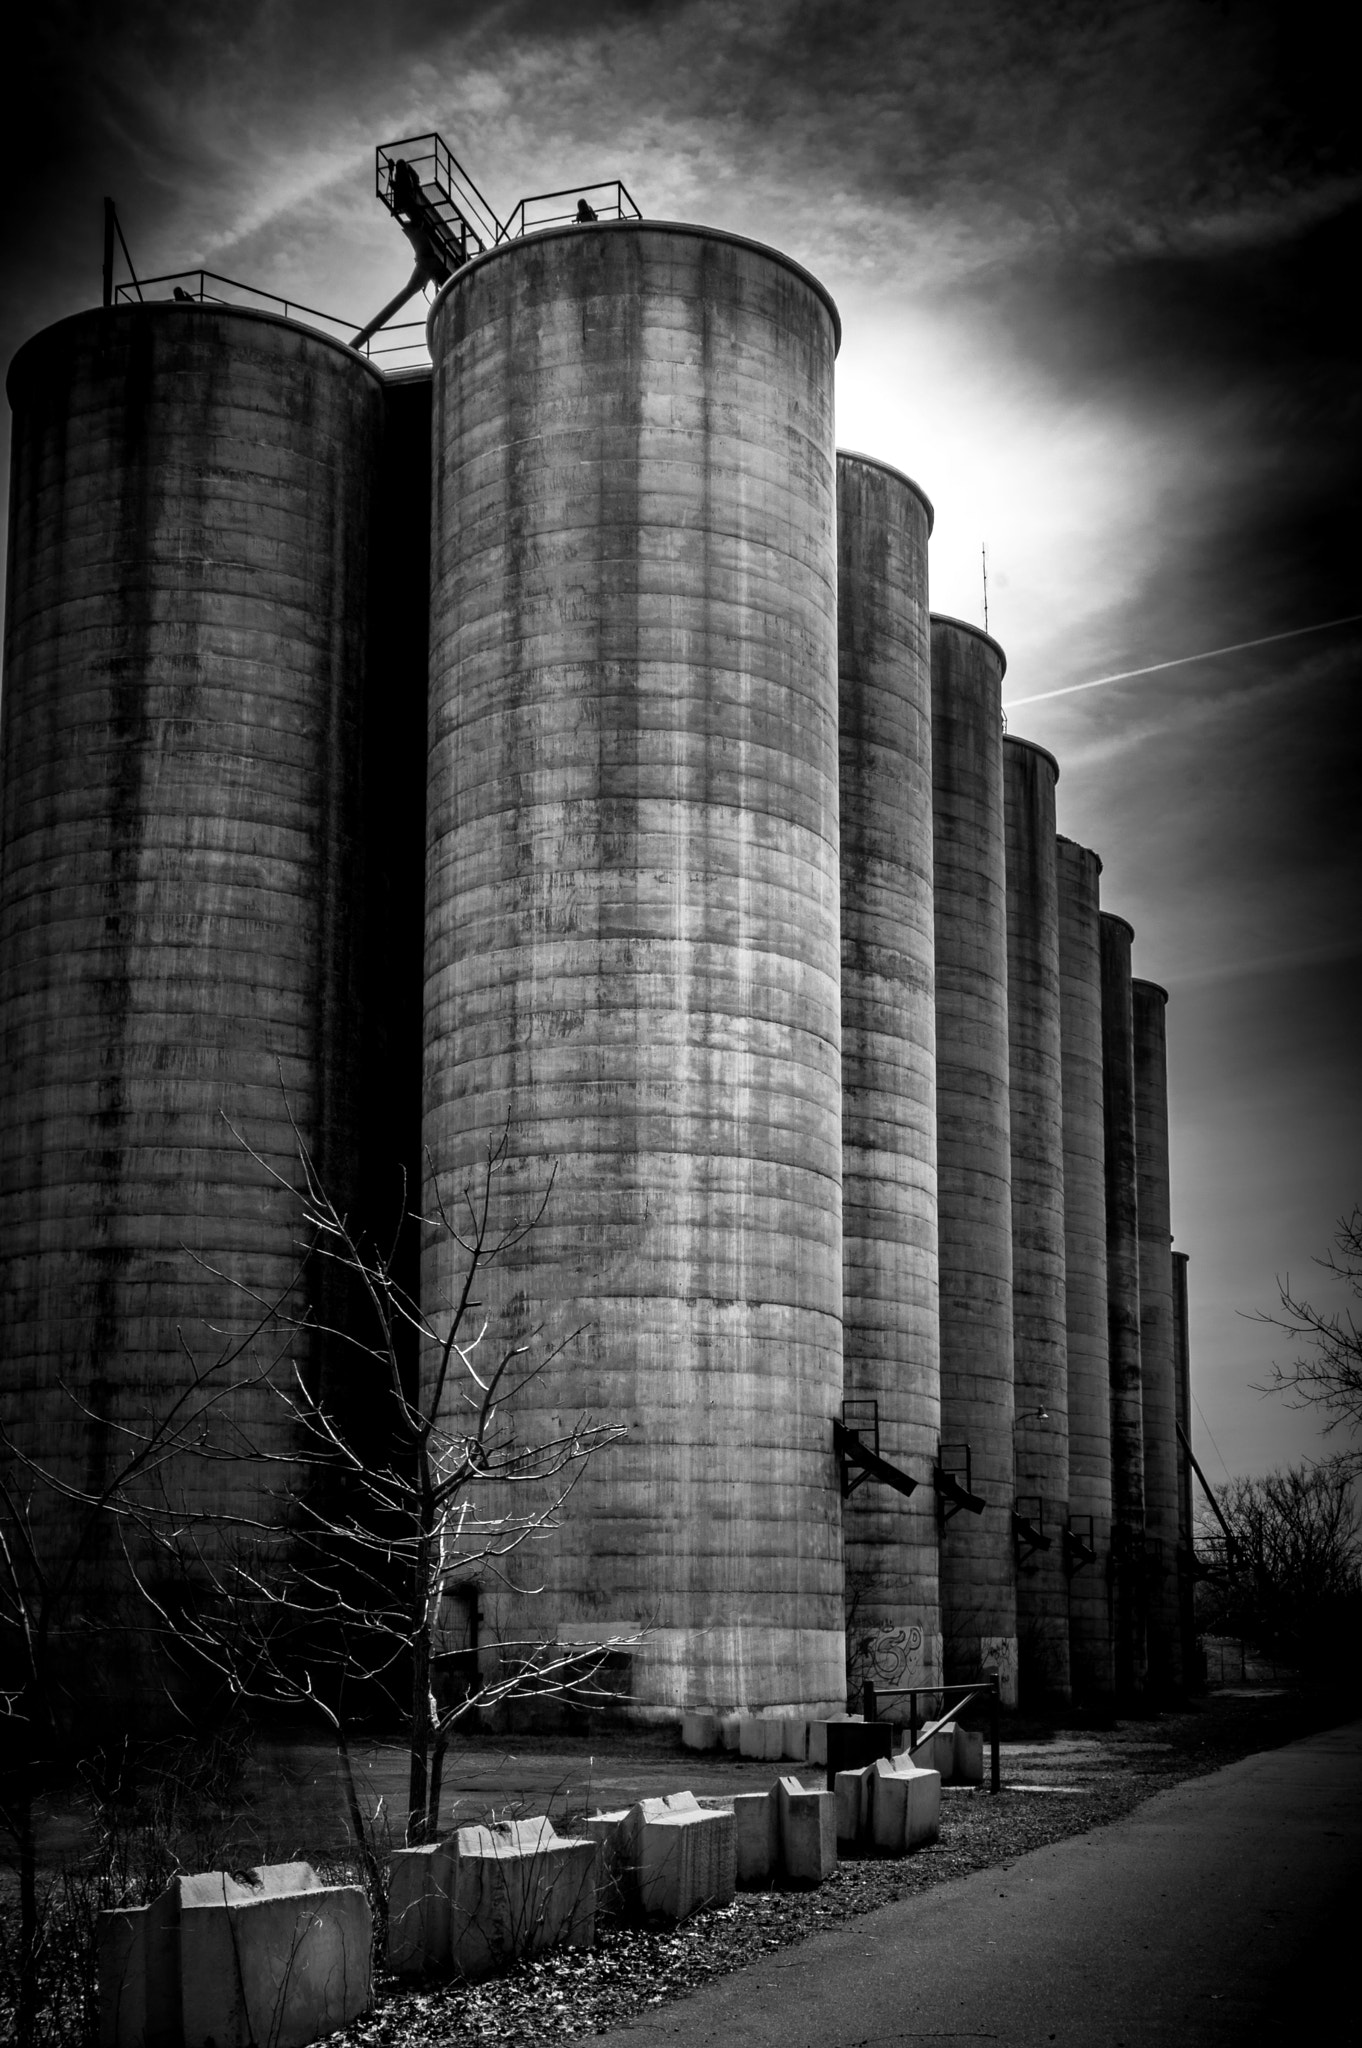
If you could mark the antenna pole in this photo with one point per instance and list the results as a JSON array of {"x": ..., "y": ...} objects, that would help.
[
  {"x": 108, "y": 251},
  {"x": 983, "y": 556}
]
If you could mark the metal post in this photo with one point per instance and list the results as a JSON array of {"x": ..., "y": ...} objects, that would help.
[
  {"x": 994, "y": 1728},
  {"x": 108, "y": 251},
  {"x": 912, "y": 1721}
]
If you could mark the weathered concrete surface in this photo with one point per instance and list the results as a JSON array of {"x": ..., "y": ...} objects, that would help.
[
  {"x": 974, "y": 1145},
  {"x": 179, "y": 831},
  {"x": 889, "y": 1253},
  {"x": 420, "y": 1887},
  {"x": 633, "y": 928},
  {"x": 807, "y": 1828},
  {"x": 1123, "y": 1307},
  {"x": 905, "y": 1806},
  {"x": 756, "y": 1836},
  {"x": 677, "y": 1856},
  {"x": 1039, "y": 1326},
  {"x": 1085, "y": 1265},
  {"x": 1219, "y": 1915},
  {"x": 222, "y": 1961},
  {"x": 519, "y": 1889},
  {"x": 1182, "y": 1360},
  {"x": 1158, "y": 1363}
]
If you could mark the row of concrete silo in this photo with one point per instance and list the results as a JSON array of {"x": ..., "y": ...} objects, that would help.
[{"x": 740, "y": 917}]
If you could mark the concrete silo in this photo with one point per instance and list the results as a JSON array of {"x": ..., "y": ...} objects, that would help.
[
  {"x": 1123, "y": 1305},
  {"x": 181, "y": 760},
  {"x": 1085, "y": 1270},
  {"x": 974, "y": 1150},
  {"x": 1186, "y": 1544},
  {"x": 632, "y": 949},
  {"x": 1158, "y": 1369},
  {"x": 1039, "y": 1336},
  {"x": 890, "y": 1332}
]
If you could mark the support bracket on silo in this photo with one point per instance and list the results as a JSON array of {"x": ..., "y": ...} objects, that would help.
[
  {"x": 854, "y": 1454},
  {"x": 1079, "y": 1548},
  {"x": 951, "y": 1477},
  {"x": 1028, "y": 1526}
]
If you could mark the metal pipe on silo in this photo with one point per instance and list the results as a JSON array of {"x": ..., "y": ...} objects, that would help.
[
  {"x": 889, "y": 1196},
  {"x": 632, "y": 940},
  {"x": 1123, "y": 1306},
  {"x": 1158, "y": 1369},
  {"x": 1039, "y": 1333},
  {"x": 1085, "y": 1269},
  {"x": 974, "y": 1149},
  {"x": 1182, "y": 1355},
  {"x": 179, "y": 853}
]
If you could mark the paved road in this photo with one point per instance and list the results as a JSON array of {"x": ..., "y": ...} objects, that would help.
[{"x": 1222, "y": 1914}]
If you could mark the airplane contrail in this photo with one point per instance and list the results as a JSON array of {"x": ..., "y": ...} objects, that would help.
[{"x": 1237, "y": 647}]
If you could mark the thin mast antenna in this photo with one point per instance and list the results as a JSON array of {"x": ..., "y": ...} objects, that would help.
[{"x": 983, "y": 556}]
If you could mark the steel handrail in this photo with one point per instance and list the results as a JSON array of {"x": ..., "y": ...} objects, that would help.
[{"x": 987, "y": 1688}]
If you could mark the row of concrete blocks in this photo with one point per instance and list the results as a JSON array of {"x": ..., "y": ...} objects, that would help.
[
  {"x": 956, "y": 1753},
  {"x": 269, "y": 1955},
  {"x": 764, "y": 1736},
  {"x": 486, "y": 1897}
]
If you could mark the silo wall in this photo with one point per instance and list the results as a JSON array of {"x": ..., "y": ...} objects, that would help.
[
  {"x": 1123, "y": 1306},
  {"x": 889, "y": 1263},
  {"x": 1158, "y": 1368},
  {"x": 178, "y": 857},
  {"x": 1085, "y": 1268},
  {"x": 632, "y": 937},
  {"x": 1193, "y": 1675},
  {"x": 1039, "y": 1330},
  {"x": 974, "y": 1146}
]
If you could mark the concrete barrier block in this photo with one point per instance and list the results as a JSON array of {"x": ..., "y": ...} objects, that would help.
[
  {"x": 795, "y": 1744},
  {"x": 137, "y": 1964},
  {"x": 612, "y": 1882},
  {"x": 679, "y": 1857},
  {"x": 699, "y": 1731},
  {"x": 889, "y": 1807},
  {"x": 968, "y": 1766},
  {"x": 905, "y": 1807},
  {"x": 275, "y": 1956},
  {"x": 420, "y": 1882},
  {"x": 851, "y": 1794},
  {"x": 808, "y": 1832},
  {"x": 924, "y": 1808},
  {"x": 756, "y": 1836},
  {"x": 761, "y": 1738},
  {"x": 730, "y": 1731},
  {"x": 936, "y": 1752},
  {"x": 817, "y": 1752},
  {"x": 519, "y": 1888}
]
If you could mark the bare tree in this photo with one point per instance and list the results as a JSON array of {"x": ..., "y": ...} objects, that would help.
[
  {"x": 328, "y": 1591},
  {"x": 1291, "y": 1584},
  {"x": 1328, "y": 1372},
  {"x": 436, "y": 1494}
]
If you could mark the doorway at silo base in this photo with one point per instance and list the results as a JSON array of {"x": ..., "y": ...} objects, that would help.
[{"x": 1221, "y": 1914}]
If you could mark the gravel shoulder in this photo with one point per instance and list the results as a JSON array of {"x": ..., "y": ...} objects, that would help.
[{"x": 1056, "y": 1784}]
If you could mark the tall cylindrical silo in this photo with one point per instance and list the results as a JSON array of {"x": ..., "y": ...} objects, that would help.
[
  {"x": 1182, "y": 1352},
  {"x": 1039, "y": 1332},
  {"x": 632, "y": 946},
  {"x": 181, "y": 762},
  {"x": 1158, "y": 1367},
  {"x": 1085, "y": 1270},
  {"x": 1123, "y": 1305},
  {"x": 974, "y": 1149},
  {"x": 890, "y": 1312}
]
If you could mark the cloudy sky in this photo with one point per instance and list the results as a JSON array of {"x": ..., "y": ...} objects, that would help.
[{"x": 1093, "y": 260}]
